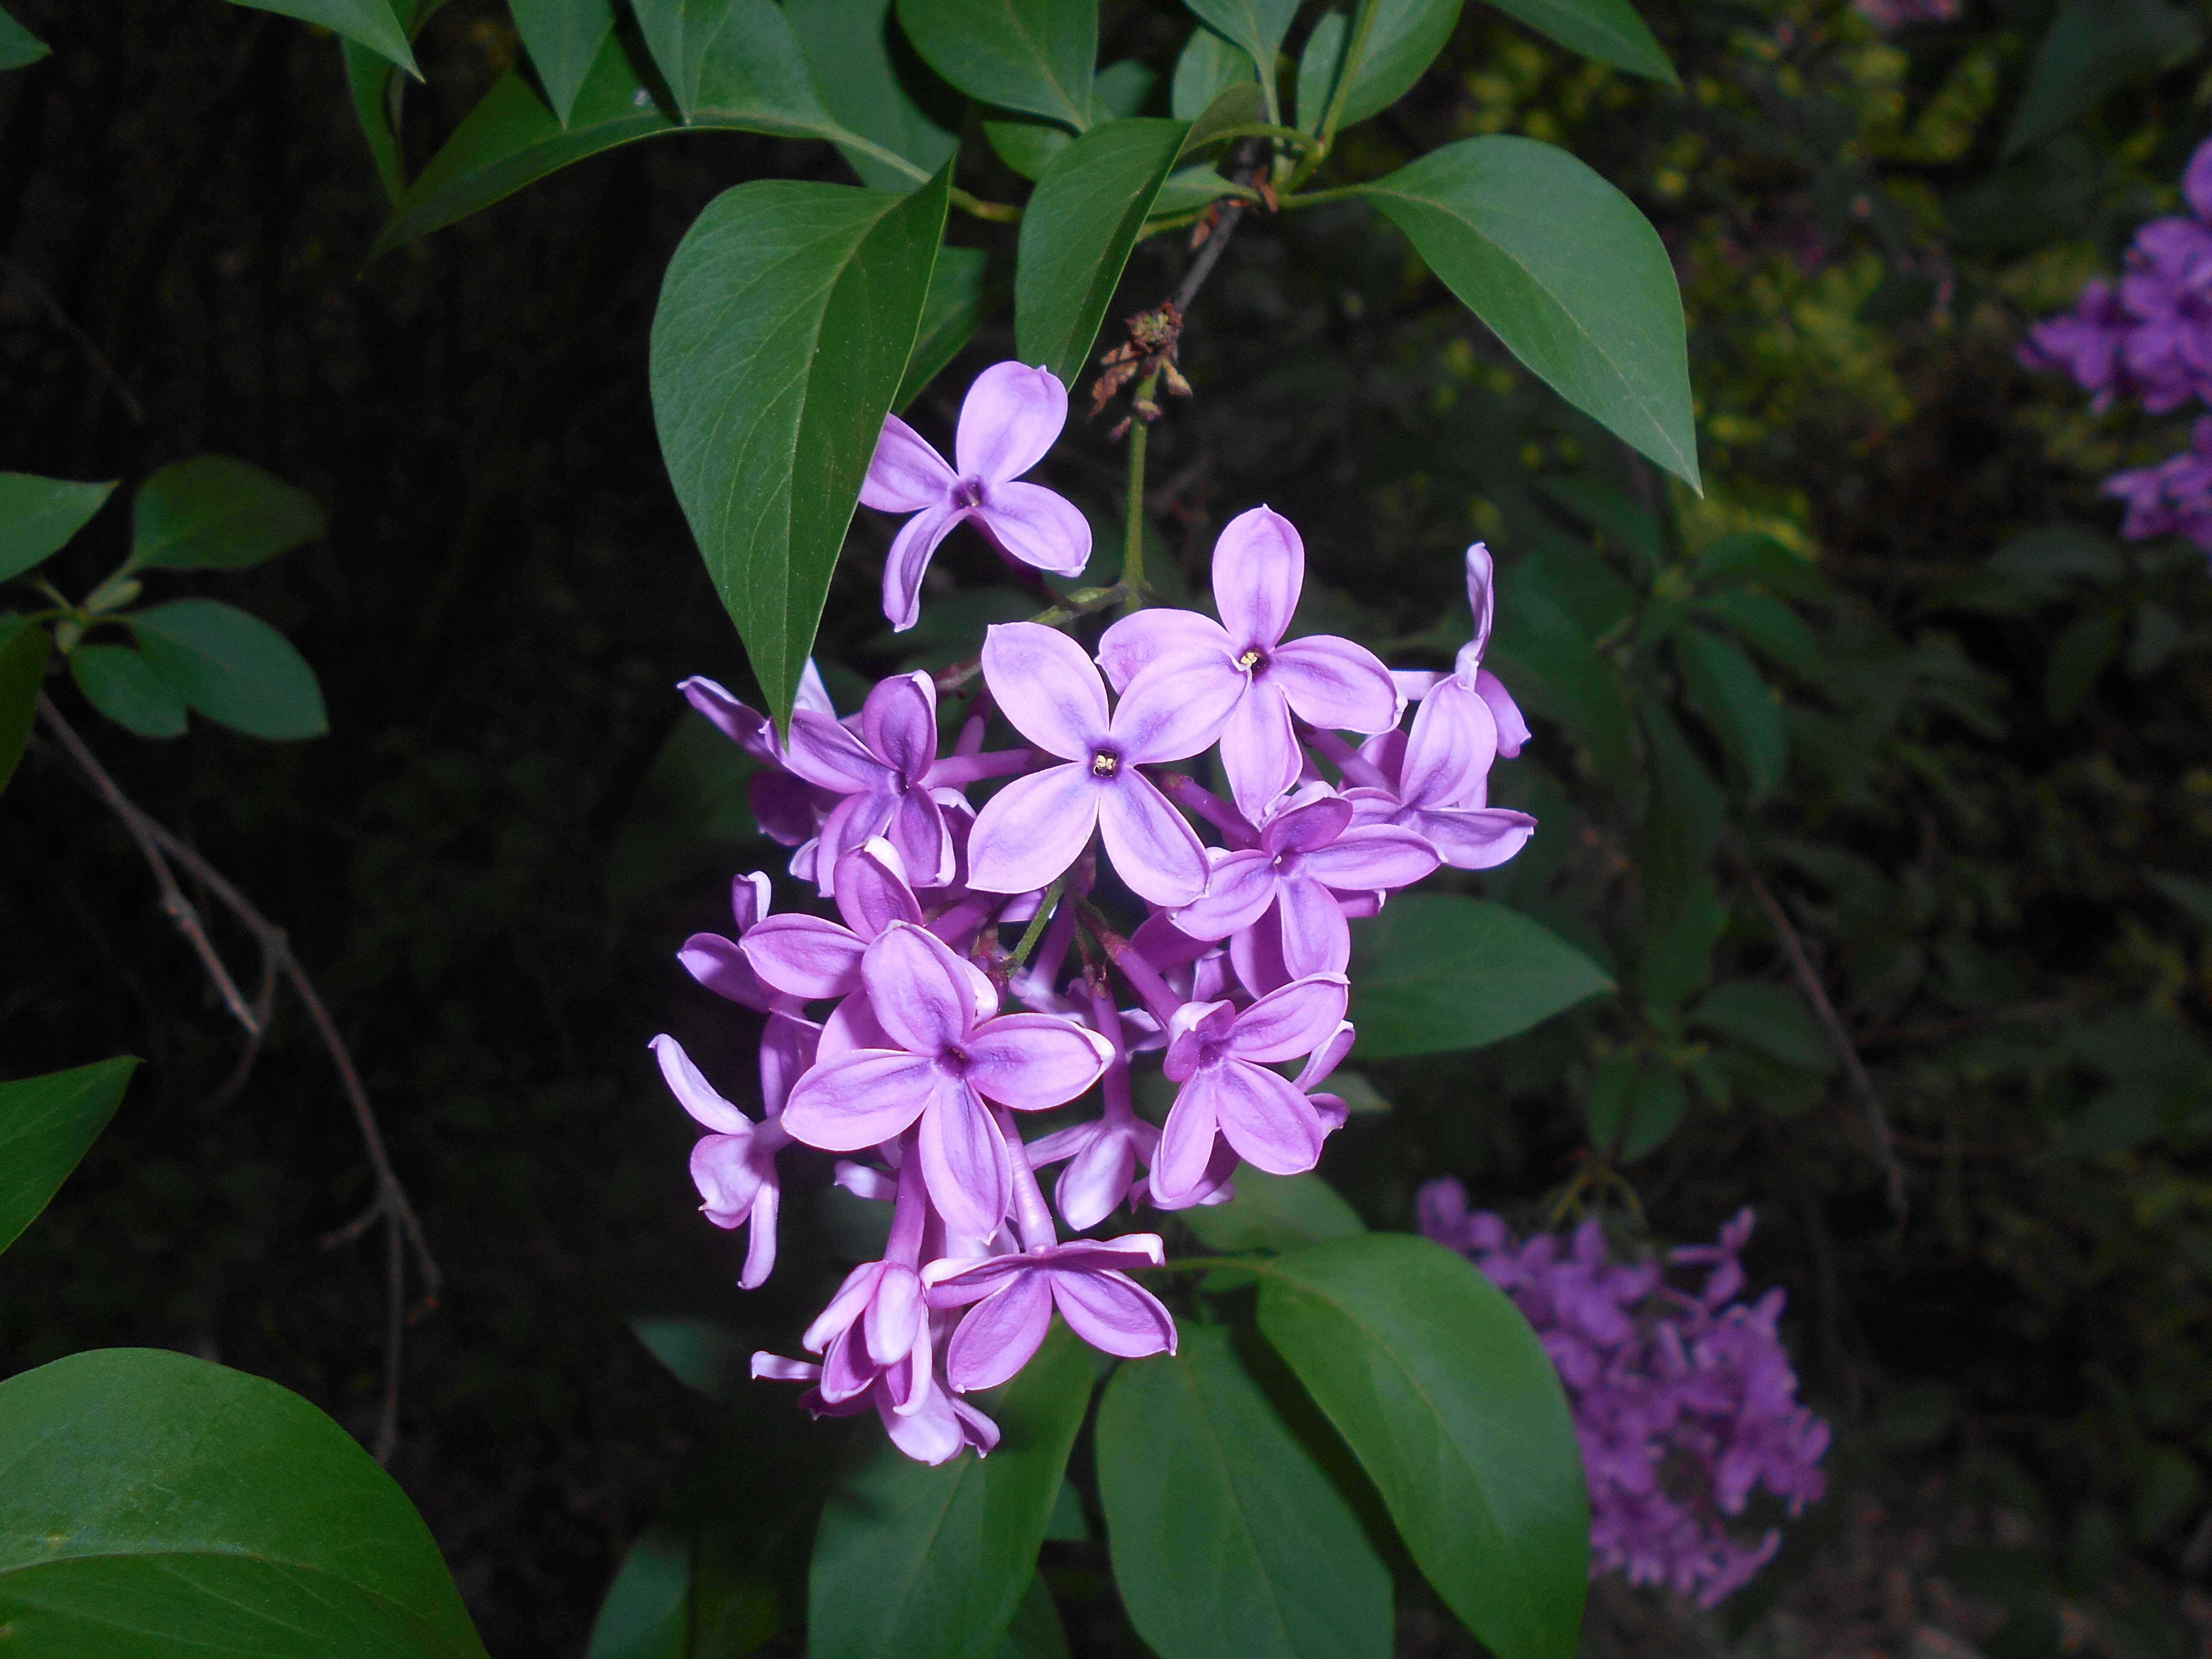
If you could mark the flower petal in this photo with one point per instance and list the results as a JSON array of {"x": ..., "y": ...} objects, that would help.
[
  {"x": 1477, "y": 840},
  {"x": 718, "y": 964},
  {"x": 1187, "y": 1138},
  {"x": 1316, "y": 939},
  {"x": 1113, "y": 1314},
  {"x": 895, "y": 1314},
  {"x": 1030, "y": 1061},
  {"x": 1036, "y": 526},
  {"x": 1001, "y": 1334},
  {"x": 919, "y": 990},
  {"x": 1326, "y": 1059},
  {"x": 1010, "y": 416},
  {"x": 1259, "y": 750},
  {"x": 1375, "y": 860},
  {"x": 1335, "y": 683},
  {"x": 964, "y": 1160},
  {"x": 1176, "y": 708},
  {"x": 907, "y": 473},
  {"x": 1096, "y": 1179},
  {"x": 850, "y": 1302},
  {"x": 728, "y": 1179},
  {"x": 1291, "y": 1020},
  {"x": 1512, "y": 728},
  {"x": 1046, "y": 687},
  {"x": 783, "y": 805},
  {"x": 827, "y": 755},
  {"x": 789, "y": 1048},
  {"x": 753, "y": 732},
  {"x": 1162, "y": 632},
  {"x": 1272, "y": 1126},
  {"x": 852, "y": 1026},
  {"x": 1302, "y": 827},
  {"x": 1259, "y": 568},
  {"x": 908, "y": 560},
  {"x": 1033, "y": 829},
  {"x": 1450, "y": 750},
  {"x": 694, "y": 1093},
  {"x": 1481, "y": 595},
  {"x": 930, "y": 1434},
  {"x": 804, "y": 957},
  {"x": 899, "y": 723},
  {"x": 1153, "y": 848},
  {"x": 1238, "y": 890},
  {"x": 873, "y": 891},
  {"x": 917, "y": 829},
  {"x": 859, "y": 1099}
]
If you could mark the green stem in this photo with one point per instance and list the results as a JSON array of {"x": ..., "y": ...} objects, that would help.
[
  {"x": 1132, "y": 543},
  {"x": 1005, "y": 213},
  {"x": 1316, "y": 197},
  {"x": 1034, "y": 931}
]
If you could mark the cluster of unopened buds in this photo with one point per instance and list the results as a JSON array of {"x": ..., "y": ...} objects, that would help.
[
  {"x": 887, "y": 1036},
  {"x": 1685, "y": 1403},
  {"x": 2148, "y": 337}
]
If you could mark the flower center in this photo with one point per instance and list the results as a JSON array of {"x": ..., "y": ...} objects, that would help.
[
  {"x": 953, "y": 1061},
  {"x": 968, "y": 492},
  {"x": 1105, "y": 763},
  {"x": 1253, "y": 661}
]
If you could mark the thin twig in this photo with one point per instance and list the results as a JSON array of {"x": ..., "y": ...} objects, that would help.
[
  {"x": 1839, "y": 1040},
  {"x": 68, "y": 326},
  {"x": 161, "y": 847}
]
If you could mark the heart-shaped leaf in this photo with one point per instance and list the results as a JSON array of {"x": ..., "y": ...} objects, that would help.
[
  {"x": 371, "y": 22},
  {"x": 1607, "y": 31},
  {"x": 1449, "y": 1402},
  {"x": 1566, "y": 272},
  {"x": 1035, "y": 55},
  {"x": 786, "y": 322},
  {"x": 46, "y": 1125},
  {"x": 23, "y": 649},
  {"x": 120, "y": 684},
  {"x": 910, "y": 1560},
  {"x": 1436, "y": 973},
  {"x": 563, "y": 37},
  {"x": 216, "y": 514},
  {"x": 156, "y": 1507},
  {"x": 37, "y": 516},
  {"x": 233, "y": 667},
  {"x": 873, "y": 88},
  {"x": 1228, "y": 1536}
]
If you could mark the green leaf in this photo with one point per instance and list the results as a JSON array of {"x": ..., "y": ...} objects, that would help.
[
  {"x": 1449, "y": 1402},
  {"x": 1034, "y": 56},
  {"x": 117, "y": 681},
  {"x": 1273, "y": 1212},
  {"x": 216, "y": 514},
  {"x": 233, "y": 667},
  {"x": 1403, "y": 39},
  {"x": 1551, "y": 662},
  {"x": 47, "y": 1124},
  {"x": 37, "y": 516},
  {"x": 155, "y": 1506},
  {"x": 1566, "y": 272},
  {"x": 964, "y": 290},
  {"x": 1752, "y": 556},
  {"x": 1436, "y": 973},
  {"x": 1035, "y": 1632},
  {"x": 1228, "y": 1538},
  {"x": 1607, "y": 31},
  {"x": 1027, "y": 147},
  {"x": 1077, "y": 231},
  {"x": 377, "y": 87},
  {"x": 786, "y": 322},
  {"x": 1772, "y": 1020},
  {"x": 1655, "y": 1111},
  {"x": 1771, "y": 626},
  {"x": 1256, "y": 26},
  {"x": 753, "y": 79},
  {"x": 2092, "y": 47},
  {"x": 1612, "y": 514},
  {"x": 910, "y": 1560},
  {"x": 849, "y": 44},
  {"x": 1683, "y": 824},
  {"x": 1191, "y": 187},
  {"x": 1206, "y": 67},
  {"x": 563, "y": 37},
  {"x": 18, "y": 46},
  {"x": 646, "y": 1612},
  {"x": 1678, "y": 959},
  {"x": 700, "y": 1353},
  {"x": 23, "y": 651},
  {"x": 1731, "y": 698},
  {"x": 1318, "y": 65},
  {"x": 371, "y": 22},
  {"x": 2079, "y": 659}
]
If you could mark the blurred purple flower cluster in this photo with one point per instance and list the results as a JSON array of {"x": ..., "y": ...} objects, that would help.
[
  {"x": 1685, "y": 1403},
  {"x": 2149, "y": 338},
  {"x": 886, "y": 1035}
]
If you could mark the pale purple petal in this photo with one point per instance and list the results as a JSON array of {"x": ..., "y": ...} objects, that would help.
[
  {"x": 1032, "y": 830},
  {"x": 812, "y": 696},
  {"x": 917, "y": 829},
  {"x": 775, "y": 1368},
  {"x": 847, "y": 1372},
  {"x": 1010, "y": 418},
  {"x": 1147, "y": 636},
  {"x": 694, "y": 1093},
  {"x": 1153, "y": 848},
  {"x": 1481, "y": 595},
  {"x": 1272, "y": 1126},
  {"x": 859, "y": 1099},
  {"x": 727, "y": 1176},
  {"x": 1031, "y": 1062},
  {"x": 964, "y": 1160},
  {"x": 1113, "y": 1314},
  {"x": 899, "y": 723},
  {"x": 907, "y": 562},
  {"x": 1476, "y": 840},
  {"x": 850, "y": 1302},
  {"x": 1259, "y": 568},
  {"x": 1175, "y": 709},
  {"x": 1256, "y": 955},
  {"x": 824, "y": 753},
  {"x": 783, "y": 807},
  {"x": 1293, "y": 1020},
  {"x": 877, "y": 1186},
  {"x": 1046, "y": 687},
  {"x": 1120, "y": 1255},
  {"x": 1512, "y": 728},
  {"x": 1448, "y": 751},
  {"x": 1326, "y": 1059},
  {"x": 753, "y": 732},
  {"x": 789, "y": 1046},
  {"x": 1096, "y": 1179},
  {"x": 931, "y": 1434},
  {"x": 1185, "y": 1143},
  {"x": 999, "y": 1334},
  {"x": 804, "y": 957},
  {"x": 856, "y": 819},
  {"x": 873, "y": 891},
  {"x": 1300, "y": 828},
  {"x": 1213, "y": 1185},
  {"x": 1415, "y": 684},
  {"x": 895, "y": 1314},
  {"x": 976, "y": 1430},
  {"x": 1315, "y": 938},
  {"x": 718, "y": 964},
  {"x": 852, "y": 1026},
  {"x": 1375, "y": 860},
  {"x": 956, "y": 1281},
  {"x": 920, "y": 991},
  {"x": 1259, "y": 750},
  {"x": 1238, "y": 890},
  {"x": 1333, "y": 683},
  {"x": 1035, "y": 525},
  {"x": 906, "y": 474}
]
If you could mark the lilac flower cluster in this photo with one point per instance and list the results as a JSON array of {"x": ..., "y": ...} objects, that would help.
[
  {"x": 2149, "y": 338},
  {"x": 1685, "y": 1403},
  {"x": 888, "y": 1037}
]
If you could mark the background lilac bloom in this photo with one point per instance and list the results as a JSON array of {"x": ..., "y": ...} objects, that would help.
[
  {"x": 1285, "y": 883},
  {"x": 1102, "y": 1154},
  {"x": 1014, "y": 1297},
  {"x": 1684, "y": 1404},
  {"x": 1011, "y": 416},
  {"x": 718, "y": 963},
  {"x": 1418, "y": 790},
  {"x": 1259, "y": 571},
  {"x": 734, "y": 1165},
  {"x": 2175, "y": 497},
  {"x": 1220, "y": 1057},
  {"x": 2089, "y": 342},
  {"x": 936, "y": 1431},
  {"x": 948, "y": 1062},
  {"x": 1036, "y": 826},
  {"x": 878, "y": 1319}
]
